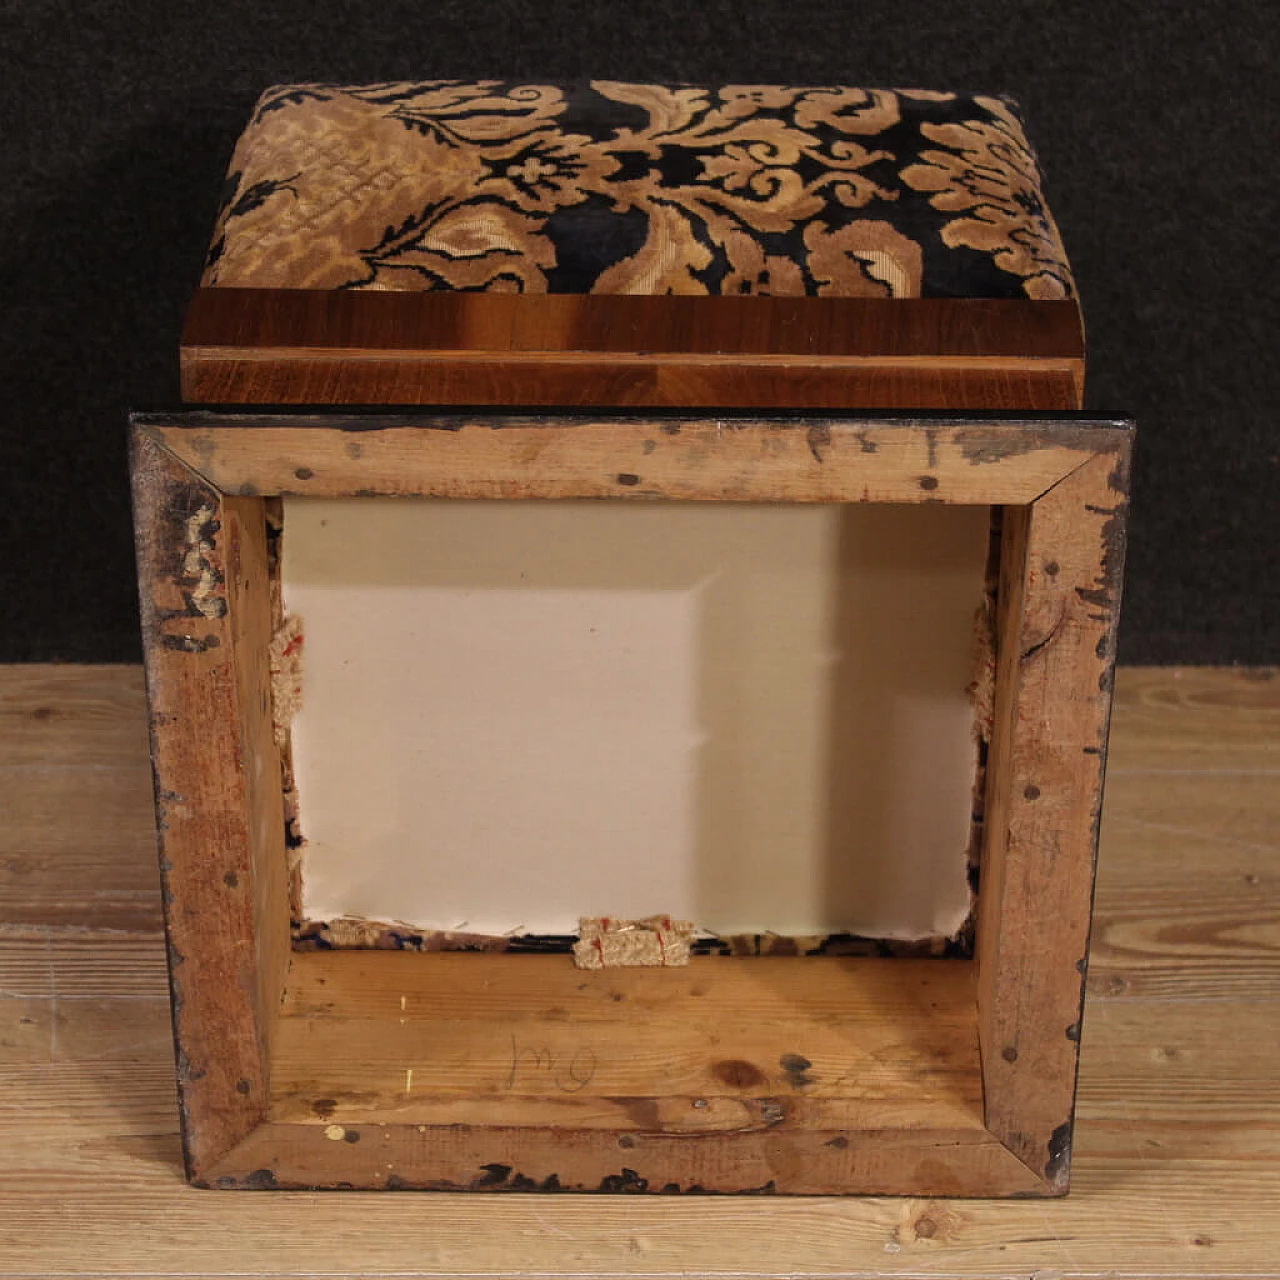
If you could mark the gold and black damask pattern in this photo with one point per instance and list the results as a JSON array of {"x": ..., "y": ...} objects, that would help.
[{"x": 626, "y": 188}]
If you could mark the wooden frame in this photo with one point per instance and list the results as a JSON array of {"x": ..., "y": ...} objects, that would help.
[
  {"x": 933, "y": 1077},
  {"x": 301, "y": 346}
]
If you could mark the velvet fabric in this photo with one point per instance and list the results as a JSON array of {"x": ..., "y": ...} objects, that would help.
[{"x": 607, "y": 187}]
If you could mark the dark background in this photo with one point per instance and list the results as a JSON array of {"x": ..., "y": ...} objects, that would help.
[{"x": 1155, "y": 123}]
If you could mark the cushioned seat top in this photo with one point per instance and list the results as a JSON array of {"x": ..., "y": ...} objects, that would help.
[{"x": 627, "y": 188}]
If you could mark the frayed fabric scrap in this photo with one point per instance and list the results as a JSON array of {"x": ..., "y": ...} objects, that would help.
[{"x": 657, "y": 942}]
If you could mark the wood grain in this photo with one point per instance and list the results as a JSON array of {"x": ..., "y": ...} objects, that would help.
[
  {"x": 717, "y": 1046},
  {"x": 632, "y": 324},
  {"x": 1193, "y": 720},
  {"x": 743, "y": 1074},
  {"x": 288, "y": 346},
  {"x": 1154, "y": 941},
  {"x": 73, "y": 749},
  {"x": 745, "y": 1161},
  {"x": 310, "y": 377},
  {"x": 1177, "y": 1146},
  {"x": 210, "y": 790},
  {"x": 1059, "y": 597},
  {"x": 62, "y": 862},
  {"x": 71, "y": 717},
  {"x": 854, "y": 458},
  {"x": 1192, "y": 793},
  {"x": 251, "y": 612}
]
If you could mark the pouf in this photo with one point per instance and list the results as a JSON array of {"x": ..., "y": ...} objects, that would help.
[{"x": 725, "y": 300}]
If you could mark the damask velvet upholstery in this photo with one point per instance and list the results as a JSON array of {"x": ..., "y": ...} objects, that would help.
[{"x": 605, "y": 187}]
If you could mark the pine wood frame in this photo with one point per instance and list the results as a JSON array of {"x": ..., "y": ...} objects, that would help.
[{"x": 290, "y": 1065}]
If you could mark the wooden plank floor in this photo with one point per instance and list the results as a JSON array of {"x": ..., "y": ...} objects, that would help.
[{"x": 1177, "y": 1159}]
